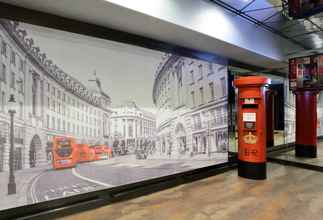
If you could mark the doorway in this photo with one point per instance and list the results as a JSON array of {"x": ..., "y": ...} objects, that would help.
[
  {"x": 277, "y": 84},
  {"x": 18, "y": 158},
  {"x": 35, "y": 146}
]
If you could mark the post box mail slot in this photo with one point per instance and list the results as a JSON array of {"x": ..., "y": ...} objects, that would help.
[
  {"x": 249, "y": 106},
  {"x": 250, "y": 125}
]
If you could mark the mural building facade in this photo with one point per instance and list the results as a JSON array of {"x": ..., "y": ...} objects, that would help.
[
  {"x": 115, "y": 115},
  {"x": 191, "y": 98},
  {"x": 49, "y": 102}
]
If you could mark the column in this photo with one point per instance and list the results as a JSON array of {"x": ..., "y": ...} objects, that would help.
[
  {"x": 126, "y": 134},
  {"x": 306, "y": 123},
  {"x": 42, "y": 97}
]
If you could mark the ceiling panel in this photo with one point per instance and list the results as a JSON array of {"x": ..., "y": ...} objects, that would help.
[
  {"x": 266, "y": 15},
  {"x": 239, "y": 4},
  {"x": 300, "y": 29},
  {"x": 273, "y": 13}
]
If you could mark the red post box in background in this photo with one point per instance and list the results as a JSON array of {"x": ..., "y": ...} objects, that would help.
[{"x": 252, "y": 126}]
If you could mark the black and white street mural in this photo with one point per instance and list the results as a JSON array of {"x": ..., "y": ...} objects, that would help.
[
  {"x": 124, "y": 114},
  {"x": 290, "y": 114}
]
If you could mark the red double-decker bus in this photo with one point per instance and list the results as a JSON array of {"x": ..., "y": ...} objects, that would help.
[
  {"x": 86, "y": 154},
  {"x": 65, "y": 152},
  {"x": 102, "y": 152}
]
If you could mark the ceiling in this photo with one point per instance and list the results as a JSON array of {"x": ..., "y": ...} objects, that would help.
[
  {"x": 185, "y": 23},
  {"x": 298, "y": 36},
  {"x": 307, "y": 33}
]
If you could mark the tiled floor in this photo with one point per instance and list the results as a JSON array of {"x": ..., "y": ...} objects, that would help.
[
  {"x": 288, "y": 193},
  {"x": 290, "y": 156}
]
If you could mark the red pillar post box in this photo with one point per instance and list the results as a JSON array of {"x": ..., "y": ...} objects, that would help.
[
  {"x": 306, "y": 123},
  {"x": 252, "y": 126}
]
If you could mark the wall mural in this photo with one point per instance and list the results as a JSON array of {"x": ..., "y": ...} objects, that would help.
[
  {"x": 89, "y": 114},
  {"x": 290, "y": 114}
]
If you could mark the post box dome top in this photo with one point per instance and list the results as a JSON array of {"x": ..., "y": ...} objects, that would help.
[{"x": 251, "y": 81}]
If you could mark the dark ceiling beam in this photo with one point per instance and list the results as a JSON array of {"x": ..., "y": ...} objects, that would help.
[{"x": 267, "y": 71}]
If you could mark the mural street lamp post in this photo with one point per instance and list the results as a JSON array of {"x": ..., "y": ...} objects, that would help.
[{"x": 12, "y": 182}]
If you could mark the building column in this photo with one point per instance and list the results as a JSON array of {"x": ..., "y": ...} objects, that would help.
[
  {"x": 135, "y": 130},
  {"x": 126, "y": 134},
  {"x": 42, "y": 99},
  {"x": 306, "y": 123},
  {"x": 141, "y": 128}
]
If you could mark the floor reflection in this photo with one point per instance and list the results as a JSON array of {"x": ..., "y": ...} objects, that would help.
[{"x": 290, "y": 156}]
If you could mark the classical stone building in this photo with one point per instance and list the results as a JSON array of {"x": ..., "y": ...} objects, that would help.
[
  {"x": 131, "y": 124},
  {"x": 191, "y": 97},
  {"x": 50, "y": 101}
]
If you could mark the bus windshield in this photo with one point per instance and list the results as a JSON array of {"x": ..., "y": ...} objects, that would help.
[{"x": 64, "y": 148}]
